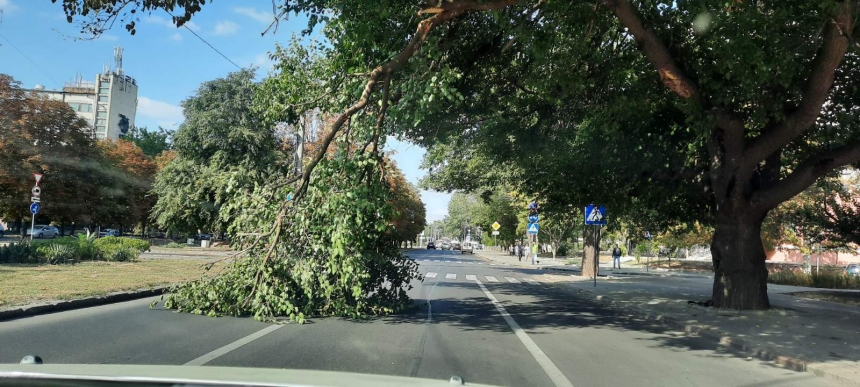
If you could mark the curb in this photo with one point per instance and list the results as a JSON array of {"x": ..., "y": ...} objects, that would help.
[
  {"x": 725, "y": 339},
  {"x": 62, "y": 306}
]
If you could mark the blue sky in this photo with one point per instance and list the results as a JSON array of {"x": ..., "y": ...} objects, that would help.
[{"x": 168, "y": 63}]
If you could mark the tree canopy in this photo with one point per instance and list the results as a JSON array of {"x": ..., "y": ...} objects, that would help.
[{"x": 741, "y": 106}]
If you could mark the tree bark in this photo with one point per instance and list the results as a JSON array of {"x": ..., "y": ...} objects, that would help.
[
  {"x": 591, "y": 252},
  {"x": 740, "y": 274}
]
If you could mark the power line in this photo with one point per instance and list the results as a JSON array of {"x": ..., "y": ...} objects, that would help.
[
  {"x": 30, "y": 60},
  {"x": 207, "y": 43}
]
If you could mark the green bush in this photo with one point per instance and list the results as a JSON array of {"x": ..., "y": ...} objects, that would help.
[
  {"x": 826, "y": 279},
  {"x": 82, "y": 248},
  {"x": 121, "y": 249},
  {"x": 561, "y": 251},
  {"x": 60, "y": 253},
  {"x": 18, "y": 253}
]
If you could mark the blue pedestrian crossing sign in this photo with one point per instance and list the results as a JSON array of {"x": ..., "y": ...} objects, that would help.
[
  {"x": 534, "y": 218},
  {"x": 34, "y": 208},
  {"x": 595, "y": 215},
  {"x": 533, "y": 228}
]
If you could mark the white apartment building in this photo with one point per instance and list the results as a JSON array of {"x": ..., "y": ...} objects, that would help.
[{"x": 109, "y": 104}]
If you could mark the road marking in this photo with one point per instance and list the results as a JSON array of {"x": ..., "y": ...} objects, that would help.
[
  {"x": 470, "y": 277},
  {"x": 531, "y": 281},
  {"x": 229, "y": 347},
  {"x": 420, "y": 356},
  {"x": 425, "y": 260},
  {"x": 512, "y": 280},
  {"x": 431, "y": 275},
  {"x": 436, "y": 260},
  {"x": 491, "y": 278},
  {"x": 471, "y": 263},
  {"x": 480, "y": 263},
  {"x": 543, "y": 360},
  {"x": 450, "y": 276}
]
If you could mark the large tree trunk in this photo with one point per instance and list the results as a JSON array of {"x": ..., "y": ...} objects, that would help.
[
  {"x": 591, "y": 252},
  {"x": 740, "y": 274}
]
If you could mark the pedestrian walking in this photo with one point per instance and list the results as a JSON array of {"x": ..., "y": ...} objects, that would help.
[
  {"x": 534, "y": 252},
  {"x": 511, "y": 250},
  {"x": 520, "y": 252},
  {"x": 616, "y": 256}
]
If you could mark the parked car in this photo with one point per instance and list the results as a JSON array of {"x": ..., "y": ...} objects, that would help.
[
  {"x": 455, "y": 246},
  {"x": 43, "y": 231},
  {"x": 204, "y": 237},
  {"x": 431, "y": 246},
  {"x": 853, "y": 269},
  {"x": 109, "y": 232},
  {"x": 446, "y": 246}
]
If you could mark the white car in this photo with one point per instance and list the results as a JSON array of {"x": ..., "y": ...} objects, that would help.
[
  {"x": 43, "y": 231},
  {"x": 109, "y": 232}
]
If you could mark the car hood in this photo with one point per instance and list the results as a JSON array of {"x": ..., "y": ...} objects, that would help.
[{"x": 134, "y": 375}]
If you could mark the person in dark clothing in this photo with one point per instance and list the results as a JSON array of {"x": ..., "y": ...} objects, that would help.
[{"x": 616, "y": 256}]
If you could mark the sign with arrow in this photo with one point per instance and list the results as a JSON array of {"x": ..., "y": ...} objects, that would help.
[
  {"x": 533, "y": 218},
  {"x": 34, "y": 208},
  {"x": 595, "y": 215}
]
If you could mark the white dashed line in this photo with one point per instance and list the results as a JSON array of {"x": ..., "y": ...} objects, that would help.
[
  {"x": 548, "y": 366},
  {"x": 230, "y": 347},
  {"x": 491, "y": 278},
  {"x": 431, "y": 275},
  {"x": 512, "y": 280},
  {"x": 470, "y": 277},
  {"x": 450, "y": 276}
]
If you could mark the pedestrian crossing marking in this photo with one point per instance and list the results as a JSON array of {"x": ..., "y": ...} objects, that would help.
[
  {"x": 471, "y": 263},
  {"x": 491, "y": 278},
  {"x": 531, "y": 281},
  {"x": 431, "y": 275},
  {"x": 471, "y": 277},
  {"x": 512, "y": 280},
  {"x": 436, "y": 260},
  {"x": 424, "y": 260},
  {"x": 450, "y": 276}
]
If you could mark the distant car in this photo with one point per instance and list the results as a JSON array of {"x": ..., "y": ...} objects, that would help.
[
  {"x": 456, "y": 246},
  {"x": 43, "y": 231},
  {"x": 446, "y": 246},
  {"x": 204, "y": 237},
  {"x": 468, "y": 247},
  {"x": 853, "y": 269},
  {"x": 431, "y": 246},
  {"x": 109, "y": 232}
]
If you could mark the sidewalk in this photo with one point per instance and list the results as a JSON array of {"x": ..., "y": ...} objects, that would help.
[
  {"x": 504, "y": 258},
  {"x": 802, "y": 334}
]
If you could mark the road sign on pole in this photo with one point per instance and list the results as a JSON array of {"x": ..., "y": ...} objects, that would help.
[
  {"x": 38, "y": 177},
  {"x": 496, "y": 226},
  {"x": 533, "y": 228},
  {"x": 35, "y": 199},
  {"x": 34, "y": 208},
  {"x": 495, "y": 233},
  {"x": 534, "y": 218},
  {"x": 36, "y": 191},
  {"x": 595, "y": 215}
]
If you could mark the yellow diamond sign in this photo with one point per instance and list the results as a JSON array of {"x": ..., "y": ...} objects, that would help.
[{"x": 496, "y": 226}]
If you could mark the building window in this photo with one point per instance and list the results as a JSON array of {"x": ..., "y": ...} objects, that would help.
[
  {"x": 100, "y": 129},
  {"x": 75, "y": 106},
  {"x": 86, "y": 107},
  {"x": 103, "y": 98},
  {"x": 101, "y": 121},
  {"x": 101, "y": 114},
  {"x": 104, "y": 90}
]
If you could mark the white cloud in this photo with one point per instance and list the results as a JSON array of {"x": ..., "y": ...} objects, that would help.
[
  {"x": 436, "y": 204},
  {"x": 163, "y": 112},
  {"x": 162, "y": 21},
  {"x": 176, "y": 37},
  {"x": 226, "y": 27},
  {"x": 261, "y": 17},
  {"x": 8, "y": 6}
]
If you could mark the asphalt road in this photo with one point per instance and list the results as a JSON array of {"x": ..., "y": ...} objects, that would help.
[{"x": 485, "y": 323}]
